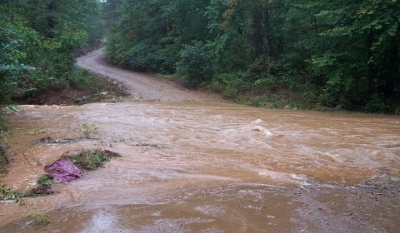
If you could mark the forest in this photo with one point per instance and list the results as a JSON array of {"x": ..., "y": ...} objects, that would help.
[
  {"x": 321, "y": 54},
  {"x": 39, "y": 41}
]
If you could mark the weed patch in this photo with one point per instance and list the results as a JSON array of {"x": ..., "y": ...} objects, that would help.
[
  {"x": 90, "y": 160},
  {"x": 3, "y": 155},
  {"x": 89, "y": 131},
  {"x": 40, "y": 218},
  {"x": 9, "y": 194},
  {"x": 3, "y": 160},
  {"x": 43, "y": 187}
]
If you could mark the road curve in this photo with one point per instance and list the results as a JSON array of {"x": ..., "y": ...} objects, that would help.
[{"x": 141, "y": 86}]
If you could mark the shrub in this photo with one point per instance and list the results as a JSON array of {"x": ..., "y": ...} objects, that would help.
[
  {"x": 397, "y": 111},
  {"x": 376, "y": 104},
  {"x": 230, "y": 85},
  {"x": 194, "y": 64}
]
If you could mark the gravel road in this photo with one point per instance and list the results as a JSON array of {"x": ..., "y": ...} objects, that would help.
[{"x": 142, "y": 86}]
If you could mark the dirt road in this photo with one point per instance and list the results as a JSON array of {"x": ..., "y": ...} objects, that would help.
[{"x": 141, "y": 86}]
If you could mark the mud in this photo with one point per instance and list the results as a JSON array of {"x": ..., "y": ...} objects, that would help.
[{"x": 190, "y": 163}]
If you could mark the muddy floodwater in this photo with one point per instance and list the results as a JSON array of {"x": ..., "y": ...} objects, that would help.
[
  {"x": 191, "y": 162},
  {"x": 210, "y": 167}
]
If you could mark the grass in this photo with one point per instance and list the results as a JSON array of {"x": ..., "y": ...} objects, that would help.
[
  {"x": 89, "y": 131},
  {"x": 3, "y": 146},
  {"x": 43, "y": 187},
  {"x": 45, "y": 180},
  {"x": 90, "y": 160},
  {"x": 3, "y": 159},
  {"x": 9, "y": 194},
  {"x": 40, "y": 218}
]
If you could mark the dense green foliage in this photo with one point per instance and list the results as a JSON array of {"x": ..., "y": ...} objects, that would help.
[
  {"x": 39, "y": 40},
  {"x": 38, "y": 45},
  {"x": 343, "y": 54}
]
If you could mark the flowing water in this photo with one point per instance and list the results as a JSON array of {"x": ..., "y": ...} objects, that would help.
[{"x": 210, "y": 167}]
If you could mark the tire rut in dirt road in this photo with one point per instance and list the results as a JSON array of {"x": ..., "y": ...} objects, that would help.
[{"x": 142, "y": 86}]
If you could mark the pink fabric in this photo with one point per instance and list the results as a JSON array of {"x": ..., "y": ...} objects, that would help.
[{"x": 63, "y": 171}]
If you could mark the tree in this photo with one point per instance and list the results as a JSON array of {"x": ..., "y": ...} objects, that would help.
[
  {"x": 148, "y": 35},
  {"x": 15, "y": 59},
  {"x": 345, "y": 53},
  {"x": 194, "y": 64},
  {"x": 358, "y": 52},
  {"x": 39, "y": 40}
]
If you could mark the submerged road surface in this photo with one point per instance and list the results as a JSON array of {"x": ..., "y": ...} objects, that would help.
[{"x": 193, "y": 163}]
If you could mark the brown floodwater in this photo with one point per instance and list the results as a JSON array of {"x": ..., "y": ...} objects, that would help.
[{"x": 209, "y": 167}]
